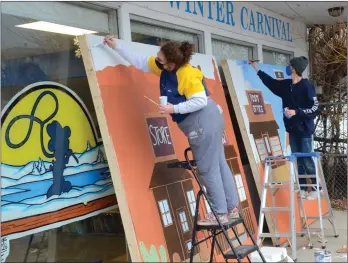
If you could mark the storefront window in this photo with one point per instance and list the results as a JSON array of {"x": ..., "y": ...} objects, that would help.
[
  {"x": 224, "y": 50},
  {"x": 57, "y": 198},
  {"x": 275, "y": 57},
  {"x": 154, "y": 34}
]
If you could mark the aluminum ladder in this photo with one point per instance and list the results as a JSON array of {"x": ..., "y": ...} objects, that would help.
[
  {"x": 235, "y": 252},
  {"x": 274, "y": 186},
  {"x": 320, "y": 182}
]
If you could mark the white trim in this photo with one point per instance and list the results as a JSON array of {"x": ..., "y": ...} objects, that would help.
[
  {"x": 208, "y": 47},
  {"x": 124, "y": 27},
  {"x": 77, "y": 16}
]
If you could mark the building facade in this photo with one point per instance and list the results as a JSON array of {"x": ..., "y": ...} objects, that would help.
[{"x": 39, "y": 47}]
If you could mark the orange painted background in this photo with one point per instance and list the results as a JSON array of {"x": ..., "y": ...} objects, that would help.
[{"x": 122, "y": 90}]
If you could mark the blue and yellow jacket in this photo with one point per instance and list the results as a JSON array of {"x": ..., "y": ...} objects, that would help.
[{"x": 179, "y": 85}]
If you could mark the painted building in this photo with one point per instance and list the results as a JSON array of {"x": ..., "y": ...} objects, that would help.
[{"x": 35, "y": 51}]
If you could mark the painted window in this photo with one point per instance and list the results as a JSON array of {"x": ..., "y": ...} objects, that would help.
[
  {"x": 240, "y": 187},
  {"x": 276, "y": 146},
  {"x": 189, "y": 246},
  {"x": 183, "y": 220},
  {"x": 267, "y": 144},
  {"x": 261, "y": 148},
  {"x": 192, "y": 201},
  {"x": 165, "y": 212}
]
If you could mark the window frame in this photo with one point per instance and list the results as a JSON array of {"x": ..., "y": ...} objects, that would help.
[
  {"x": 159, "y": 23},
  {"x": 240, "y": 186},
  {"x": 252, "y": 48},
  {"x": 165, "y": 213},
  {"x": 192, "y": 203},
  {"x": 187, "y": 246},
  {"x": 183, "y": 222},
  {"x": 268, "y": 145}
]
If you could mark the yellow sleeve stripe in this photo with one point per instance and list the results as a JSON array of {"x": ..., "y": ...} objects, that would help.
[
  {"x": 189, "y": 81},
  {"x": 153, "y": 67}
]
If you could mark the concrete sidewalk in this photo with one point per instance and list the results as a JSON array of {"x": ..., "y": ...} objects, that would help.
[{"x": 307, "y": 255}]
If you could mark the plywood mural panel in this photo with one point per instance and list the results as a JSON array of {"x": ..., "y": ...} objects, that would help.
[
  {"x": 260, "y": 118},
  {"x": 53, "y": 168},
  {"x": 156, "y": 203}
]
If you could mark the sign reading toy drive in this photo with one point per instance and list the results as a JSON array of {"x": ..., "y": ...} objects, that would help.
[{"x": 160, "y": 136}]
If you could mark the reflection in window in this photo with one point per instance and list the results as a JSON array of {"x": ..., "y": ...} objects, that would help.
[
  {"x": 153, "y": 35},
  {"x": 223, "y": 50},
  {"x": 183, "y": 221},
  {"x": 275, "y": 58},
  {"x": 165, "y": 212}
]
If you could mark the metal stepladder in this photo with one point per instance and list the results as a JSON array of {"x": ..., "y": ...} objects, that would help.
[
  {"x": 235, "y": 252},
  {"x": 294, "y": 188},
  {"x": 320, "y": 182}
]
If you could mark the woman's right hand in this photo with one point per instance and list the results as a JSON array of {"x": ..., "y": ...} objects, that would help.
[{"x": 110, "y": 41}]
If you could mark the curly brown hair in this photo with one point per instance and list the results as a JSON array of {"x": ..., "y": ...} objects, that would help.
[{"x": 176, "y": 52}]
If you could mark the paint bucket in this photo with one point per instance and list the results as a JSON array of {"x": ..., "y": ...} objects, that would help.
[{"x": 322, "y": 256}]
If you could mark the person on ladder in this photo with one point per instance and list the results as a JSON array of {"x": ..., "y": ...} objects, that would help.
[
  {"x": 301, "y": 106},
  {"x": 197, "y": 115}
]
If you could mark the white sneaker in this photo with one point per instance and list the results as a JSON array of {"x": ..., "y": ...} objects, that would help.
[
  {"x": 312, "y": 195},
  {"x": 303, "y": 194}
]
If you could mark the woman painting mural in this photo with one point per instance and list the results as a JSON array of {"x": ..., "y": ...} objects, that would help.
[{"x": 197, "y": 115}]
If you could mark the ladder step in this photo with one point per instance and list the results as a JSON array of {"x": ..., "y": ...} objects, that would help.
[
  {"x": 277, "y": 184},
  {"x": 276, "y": 234},
  {"x": 231, "y": 223},
  {"x": 306, "y": 176},
  {"x": 313, "y": 185},
  {"x": 241, "y": 252},
  {"x": 317, "y": 217},
  {"x": 279, "y": 208}
]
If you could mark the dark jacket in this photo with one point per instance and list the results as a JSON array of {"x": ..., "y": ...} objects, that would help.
[{"x": 300, "y": 97}]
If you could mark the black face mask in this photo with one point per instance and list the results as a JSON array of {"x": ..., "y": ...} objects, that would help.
[{"x": 159, "y": 65}]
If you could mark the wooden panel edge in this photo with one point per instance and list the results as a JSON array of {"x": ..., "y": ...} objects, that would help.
[
  {"x": 109, "y": 150},
  {"x": 245, "y": 137}
]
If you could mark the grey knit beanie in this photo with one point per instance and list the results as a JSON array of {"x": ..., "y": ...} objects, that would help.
[{"x": 299, "y": 64}]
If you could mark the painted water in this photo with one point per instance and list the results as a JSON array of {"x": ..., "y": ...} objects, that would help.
[{"x": 24, "y": 188}]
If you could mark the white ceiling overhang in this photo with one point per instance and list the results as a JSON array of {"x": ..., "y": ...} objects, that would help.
[{"x": 310, "y": 13}]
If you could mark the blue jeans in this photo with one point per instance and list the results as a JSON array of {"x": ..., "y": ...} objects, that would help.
[{"x": 305, "y": 164}]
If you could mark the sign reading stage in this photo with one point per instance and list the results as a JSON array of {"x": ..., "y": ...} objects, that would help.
[{"x": 160, "y": 136}]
